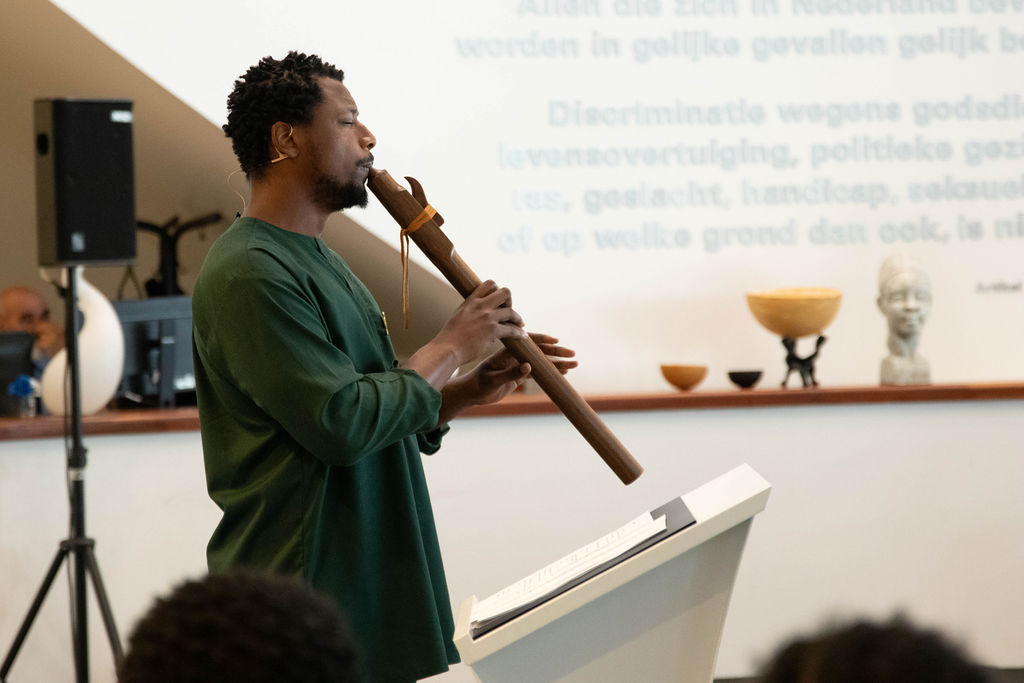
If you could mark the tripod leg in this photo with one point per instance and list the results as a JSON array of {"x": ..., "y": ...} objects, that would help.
[
  {"x": 33, "y": 611},
  {"x": 104, "y": 602},
  {"x": 79, "y": 609}
]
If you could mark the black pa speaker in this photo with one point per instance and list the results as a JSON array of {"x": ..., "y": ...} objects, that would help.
[{"x": 85, "y": 189}]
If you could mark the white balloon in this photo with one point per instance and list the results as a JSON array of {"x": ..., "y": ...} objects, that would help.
[{"x": 100, "y": 355}]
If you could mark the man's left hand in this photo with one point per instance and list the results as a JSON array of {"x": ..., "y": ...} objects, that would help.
[{"x": 500, "y": 375}]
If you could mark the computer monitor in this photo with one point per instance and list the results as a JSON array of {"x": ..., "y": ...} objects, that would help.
[
  {"x": 157, "y": 352},
  {"x": 15, "y": 359}
]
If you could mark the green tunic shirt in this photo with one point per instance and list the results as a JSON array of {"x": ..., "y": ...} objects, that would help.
[{"x": 312, "y": 437}]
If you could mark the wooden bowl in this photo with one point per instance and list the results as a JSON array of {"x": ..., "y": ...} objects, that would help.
[
  {"x": 795, "y": 312},
  {"x": 684, "y": 377}
]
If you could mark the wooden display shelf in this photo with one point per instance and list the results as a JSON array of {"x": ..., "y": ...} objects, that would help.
[
  {"x": 534, "y": 404},
  {"x": 187, "y": 419},
  {"x": 134, "y": 421}
]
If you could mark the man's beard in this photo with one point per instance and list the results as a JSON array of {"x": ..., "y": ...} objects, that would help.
[{"x": 333, "y": 196}]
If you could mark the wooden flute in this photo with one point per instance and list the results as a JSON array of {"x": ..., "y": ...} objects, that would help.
[{"x": 422, "y": 225}]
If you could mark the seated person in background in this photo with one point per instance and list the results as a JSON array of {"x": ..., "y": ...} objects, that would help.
[
  {"x": 866, "y": 652},
  {"x": 23, "y": 310},
  {"x": 241, "y": 627}
]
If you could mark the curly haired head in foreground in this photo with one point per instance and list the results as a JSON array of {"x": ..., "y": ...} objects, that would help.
[
  {"x": 241, "y": 627},
  {"x": 895, "y": 651}
]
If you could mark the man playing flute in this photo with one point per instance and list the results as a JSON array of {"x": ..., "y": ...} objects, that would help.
[{"x": 312, "y": 431}]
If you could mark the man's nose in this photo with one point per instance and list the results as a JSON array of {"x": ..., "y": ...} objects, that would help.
[{"x": 368, "y": 140}]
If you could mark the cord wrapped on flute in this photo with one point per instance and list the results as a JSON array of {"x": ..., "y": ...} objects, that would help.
[{"x": 421, "y": 223}]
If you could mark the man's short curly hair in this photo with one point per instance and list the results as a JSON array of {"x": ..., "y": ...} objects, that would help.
[
  {"x": 273, "y": 90},
  {"x": 241, "y": 627}
]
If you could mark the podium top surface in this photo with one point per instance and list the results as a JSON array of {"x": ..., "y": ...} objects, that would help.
[{"x": 717, "y": 506}]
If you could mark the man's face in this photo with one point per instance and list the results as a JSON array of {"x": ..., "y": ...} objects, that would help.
[
  {"x": 23, "y": 311},
  {"x": 341, "y": 145},
  {"x": 906, "y": 301}
]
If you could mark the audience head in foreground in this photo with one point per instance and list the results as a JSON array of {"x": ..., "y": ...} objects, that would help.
[
  {"x": 241, "y": 627},
  {"x": 895, "y": 651}
]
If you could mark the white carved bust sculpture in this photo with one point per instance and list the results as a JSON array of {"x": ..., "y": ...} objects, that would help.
[{"x": 905, "y": 298}]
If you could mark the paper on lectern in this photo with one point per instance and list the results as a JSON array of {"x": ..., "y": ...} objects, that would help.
[{"x": 568, "y": 568}]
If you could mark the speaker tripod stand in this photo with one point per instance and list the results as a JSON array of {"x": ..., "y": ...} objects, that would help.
[{"x": 77, "y": 549}]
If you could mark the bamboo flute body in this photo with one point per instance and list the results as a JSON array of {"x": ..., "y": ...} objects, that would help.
[{"x": 404, "y": 208}]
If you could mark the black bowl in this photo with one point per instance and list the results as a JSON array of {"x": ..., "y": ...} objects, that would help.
[{"x": 744, "y": 379}]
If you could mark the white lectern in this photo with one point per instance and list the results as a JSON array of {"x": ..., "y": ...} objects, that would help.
[{"x": 656, "y": 616}]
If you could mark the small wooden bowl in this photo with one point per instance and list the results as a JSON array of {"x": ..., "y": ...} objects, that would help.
[{"x": 684, "y": 377}]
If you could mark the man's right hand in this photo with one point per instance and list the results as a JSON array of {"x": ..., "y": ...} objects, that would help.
[{"x": 484, "y": 317}]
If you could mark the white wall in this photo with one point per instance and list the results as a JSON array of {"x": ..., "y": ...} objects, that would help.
[
  {"x": 873, "y": 508},
  {"x": 477, "y": 119}
]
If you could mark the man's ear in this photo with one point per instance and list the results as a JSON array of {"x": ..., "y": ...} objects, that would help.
[{"x": 282, "y": 142}]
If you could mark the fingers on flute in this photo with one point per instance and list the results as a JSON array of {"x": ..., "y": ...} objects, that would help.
[
  {"x": 484, "y": 289},
  {"x": 509, "y": 329},
  {"x": 541, "y": 338},
  {"x": 511, "y": 322},
  {"x": 557, "y": 356},
  {"x": 493, "y": 295},
  {"x": 564, "y": 366},
  {"x": 499, "y": 301},
  {"x": 549, "y": 346}
]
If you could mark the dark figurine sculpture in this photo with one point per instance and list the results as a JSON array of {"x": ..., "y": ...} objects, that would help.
[{"x": 805, "y": 366}]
